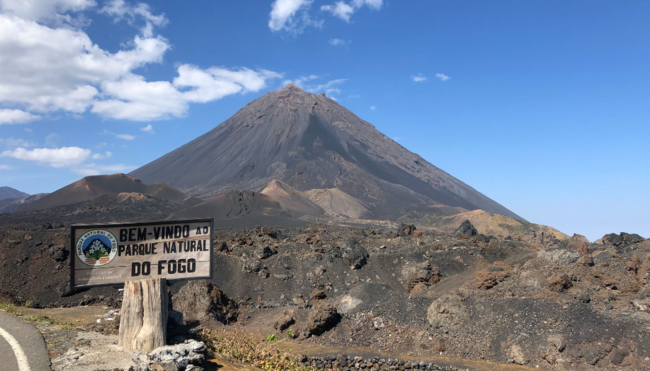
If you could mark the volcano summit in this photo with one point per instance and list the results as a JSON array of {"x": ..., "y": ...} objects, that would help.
[{"x": 318, "y": 154}]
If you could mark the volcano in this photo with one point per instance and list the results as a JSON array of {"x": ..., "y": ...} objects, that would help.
[{"x": 318, "y": 149}]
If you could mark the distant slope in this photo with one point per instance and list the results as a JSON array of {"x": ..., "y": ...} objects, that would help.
[
  {"x": 121, "y": 207},
  {"x": 8, "y": 192},
  {"x": 338, "y": 203},
  {"x": 9, "y": 205},
  {"x": 242, "y": 209},
  {"x": 292, "y": 200},
  {"x": 94, "y": 186},
  {"x": 311, "y": 142},
  {"x": 489, "y": 224}
]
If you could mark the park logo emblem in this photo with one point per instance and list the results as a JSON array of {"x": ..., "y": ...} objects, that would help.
[{"x": 96, "y": 248}]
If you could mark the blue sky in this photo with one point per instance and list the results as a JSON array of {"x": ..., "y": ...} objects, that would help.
[{"x": 541, "y": 105}]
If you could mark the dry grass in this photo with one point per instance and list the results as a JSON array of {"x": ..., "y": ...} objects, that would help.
[
  {"x": 15, "y": 310},
  {"x": 266, "y": 355}
]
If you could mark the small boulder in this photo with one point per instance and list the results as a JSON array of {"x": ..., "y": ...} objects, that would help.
[
  {"x": 323, "y": 318},
  {"x": 617, "y": 356},
  {"x": 486, "y": 280},
  {"x": 557, "y": 341},
  {"x": 466, "y": 228},
  {"x": 317, "y": 295},
  {"x": 612, "y": 239},
  {"x": 559, "y": 256},
  {"x": 586, "y": 261},
  {"x": 406, "y": 230},
  {"x": 202, "y": 300},
  {"x": 631, "y": 238},
  {"x": 517, "y": 355},
  {"x": 354, "y": 255},
  {"x": 180, "y": 356},
  {"x": 560, "y": 283},
  {"x": 264, "y": 252},
  {"x": 285, "y": 320},
  {"x": 591, "y": 355},
  {"x": 415, "y": 273},
  {"x": 603, "y": 257},
  {"x": 447, "y": 312}
]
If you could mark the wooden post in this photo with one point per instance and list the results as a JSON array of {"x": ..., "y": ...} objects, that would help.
[{"x": 143, "y": 319}]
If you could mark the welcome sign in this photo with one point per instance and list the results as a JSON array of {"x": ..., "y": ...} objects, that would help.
[{"x": 108, "y": 254}]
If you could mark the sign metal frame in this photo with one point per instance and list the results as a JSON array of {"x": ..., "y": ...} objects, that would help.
[{"x": 73, "y": 256}]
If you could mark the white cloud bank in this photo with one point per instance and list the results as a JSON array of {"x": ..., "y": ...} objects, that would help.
[
  {"x": 50, "y": 64},
  {"x": 73, "y": 158},
  {"x": 57, "y": 157},
  {"x": 16, "y": 116}
]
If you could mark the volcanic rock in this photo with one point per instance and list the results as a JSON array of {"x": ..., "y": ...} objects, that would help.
[
  {"x": 203, "y": 301},
  {"x": 285, "y": 320},
  {"x": 559, "y": 256},
  {"x": 354, "y": 254},
  {"x": 560, "y": 283},
  {"x": 447, "y": 311},
  {"x": 322, "y": 319},
  {"x": 467, "y": 229}
]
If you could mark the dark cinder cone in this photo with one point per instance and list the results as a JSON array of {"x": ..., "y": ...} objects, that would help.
[{"x": 310, "y": 142}]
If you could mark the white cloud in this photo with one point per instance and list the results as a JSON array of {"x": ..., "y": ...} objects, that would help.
[
  {"x": 15, "y": 143},
  {"x": 116, "y": 135},
  {"x": 372, "y": 108},
  {"x": 135, "y": 99},
  {"x": 94, "y": 169},
  {"x": 5, "y": 167},
  {"x": 16, "y": 116},
  {"x": 300, "y": 81},
  {"x": 291, "y": 16},
  {"x": 337, "y": 42},
  {"x": 340, "y": 10},
  {"x": 419, "y": 78},
  {"x": 125, "y": 136},
  {"x": 328, "y": 88},
  {"x": 73, "y": 158},
  {"x": 120, "y": 10},
  {"x": 52, "y": 139},
  {"x": 148, "y": 129},
  {"x": 60, "y": 68},
  {"x": 442, "y": 76},
  {"x": 375, "y": 4},
  {"x": 43, "y": 10},
  {"x": 345, "y": 10},
  {"x": 101, "y": 156},
  {"x": 49, "y": 64},
  {"x": 57, "y": 157}
]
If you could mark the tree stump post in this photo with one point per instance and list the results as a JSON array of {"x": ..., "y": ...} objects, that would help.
[{"x": 143, "y": 318}]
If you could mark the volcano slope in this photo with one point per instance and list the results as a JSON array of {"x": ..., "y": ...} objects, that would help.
[
  {"x": 310, "y": 142},
  {"x": 91, "y": 187}
]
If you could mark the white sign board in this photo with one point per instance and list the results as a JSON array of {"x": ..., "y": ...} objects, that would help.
[{"x": 109, "y": 254}]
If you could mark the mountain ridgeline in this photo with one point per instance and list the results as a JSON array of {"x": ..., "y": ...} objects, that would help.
[{"x": 322, "y": 154}]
